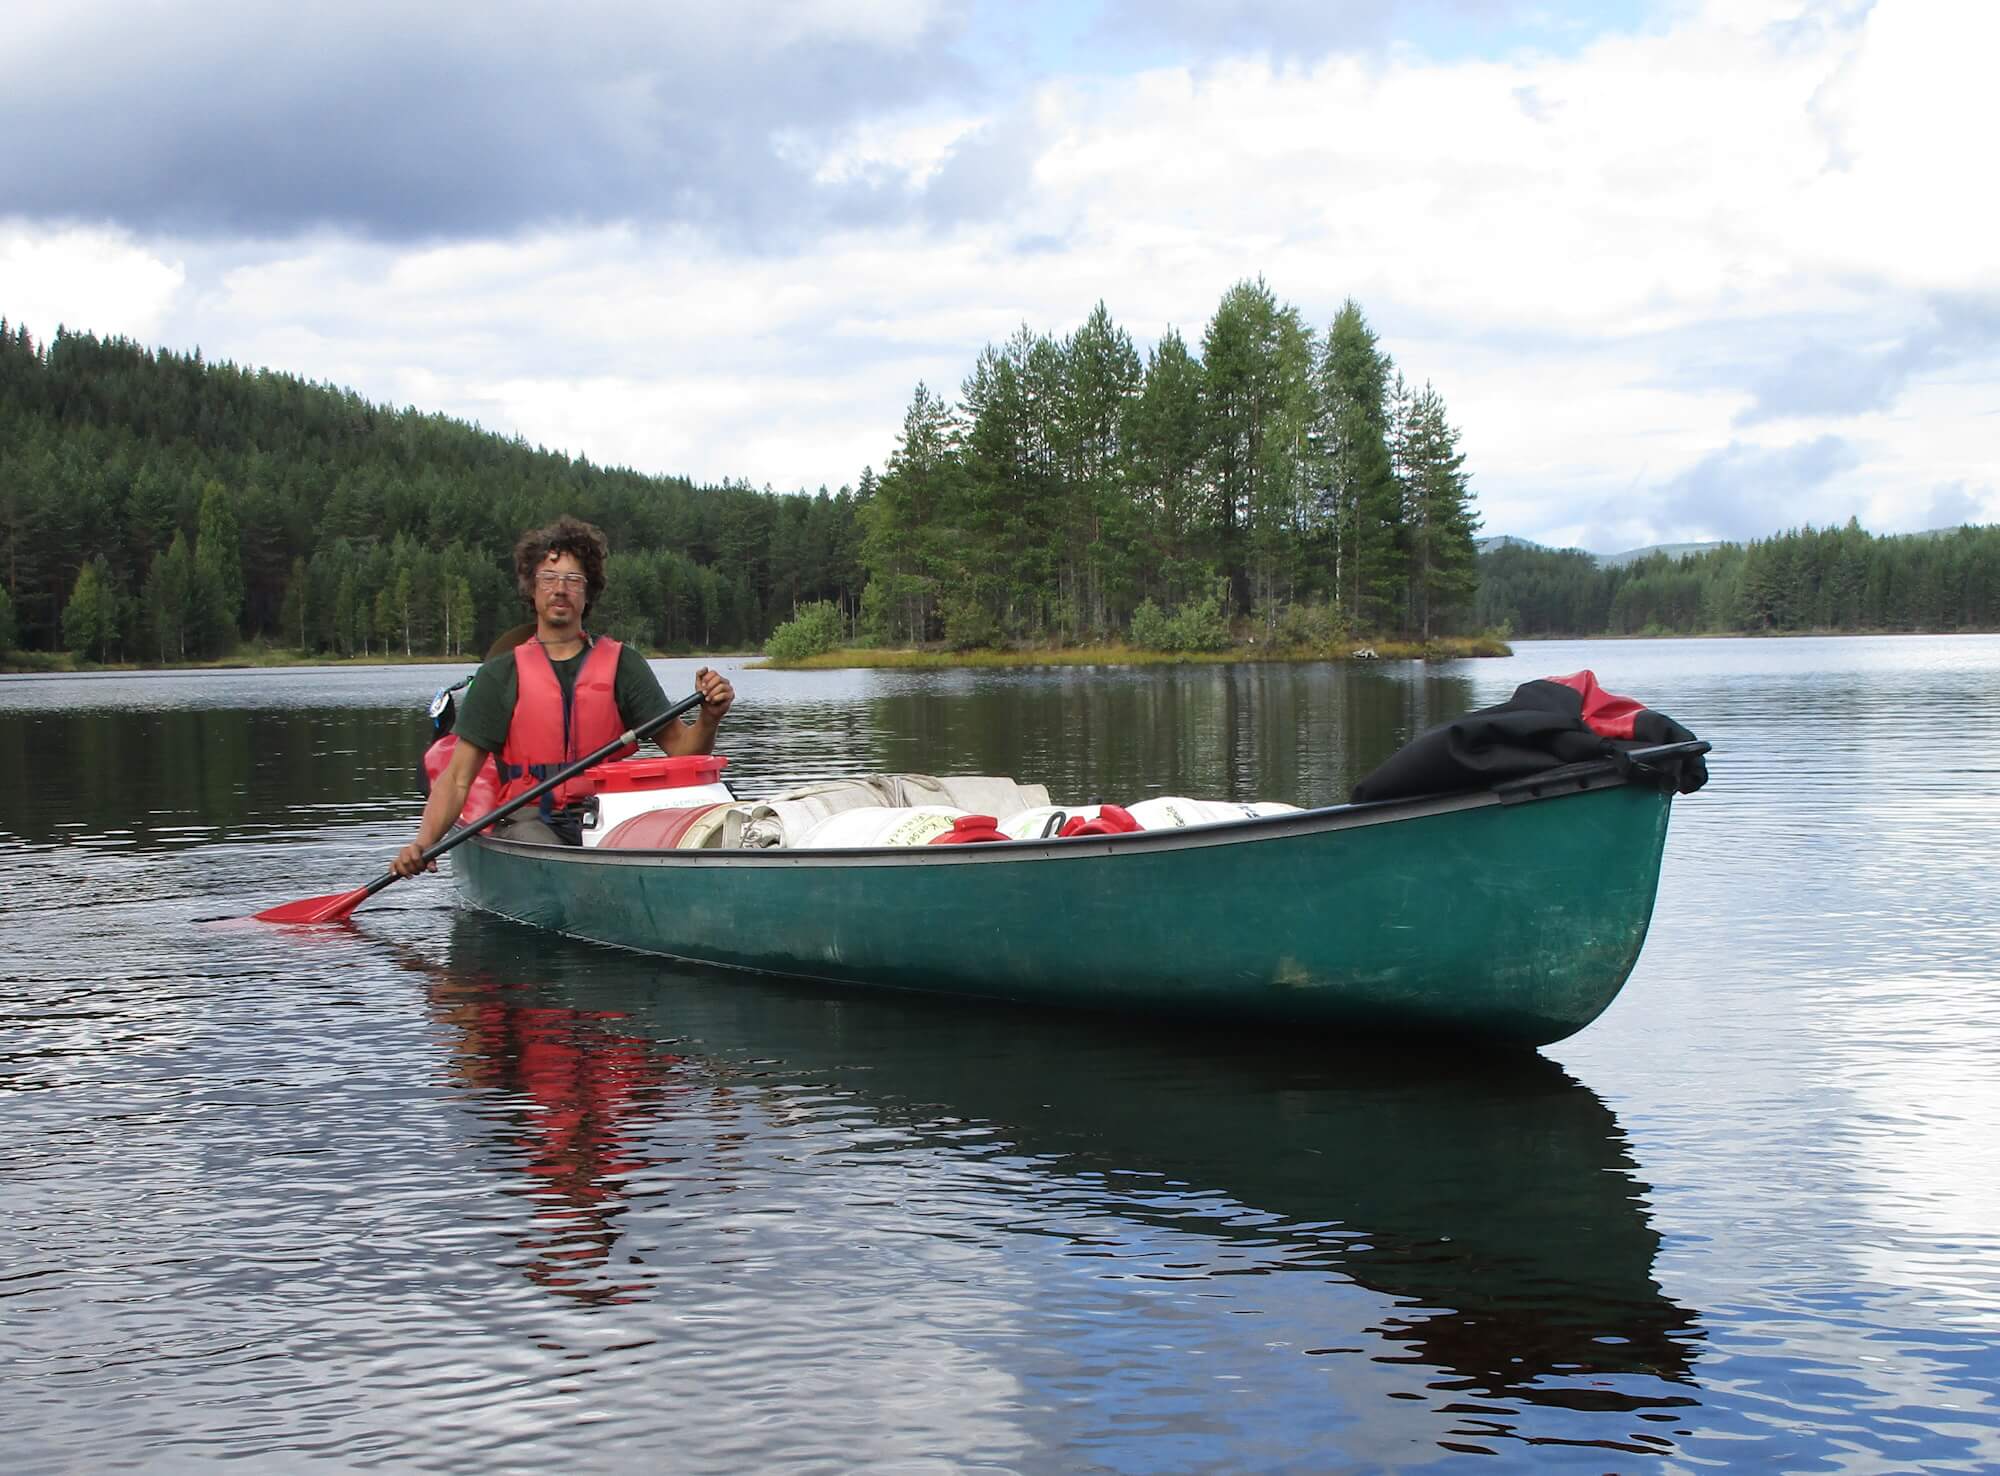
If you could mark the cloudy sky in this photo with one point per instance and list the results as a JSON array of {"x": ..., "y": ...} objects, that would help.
[{"x": 1681, "y": 270}]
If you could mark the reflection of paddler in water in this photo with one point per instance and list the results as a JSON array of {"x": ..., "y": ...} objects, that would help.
[{"x": 574, "y": 1093}]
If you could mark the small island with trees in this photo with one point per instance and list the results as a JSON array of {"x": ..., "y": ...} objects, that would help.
[{"x": 1279, "y": 491}]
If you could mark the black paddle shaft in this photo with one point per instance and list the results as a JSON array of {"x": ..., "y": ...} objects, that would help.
[{"x": 630, "y": 736}]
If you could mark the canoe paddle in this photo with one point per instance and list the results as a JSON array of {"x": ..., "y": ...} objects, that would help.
[{"x": 338, "y": 905}]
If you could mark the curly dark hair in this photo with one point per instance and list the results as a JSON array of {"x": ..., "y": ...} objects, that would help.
[{"x": 566, "y": 535}]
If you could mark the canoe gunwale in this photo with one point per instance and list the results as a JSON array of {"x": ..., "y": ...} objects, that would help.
[
  {"x": 1551, "y": 784},
  {"x": 1228, "y": 832}
]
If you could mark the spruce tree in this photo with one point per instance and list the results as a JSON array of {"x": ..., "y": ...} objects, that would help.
[
  {"x": 1168, "y": 456},
  {"x": 218, "y": 571},
  {"x": 1255, "y": 367},
  {"x": 904, "y": 524},
  {"x": 1099, "y": 376},
  {"x": 460, "y": 616},
  {"x": 292, "y": 613},
  {"x": 1361, "y": 500},
  {"x": 169, "y": 599},
  {"x": 1437, "y": 512},
  {"x": 90, "y": 618}
]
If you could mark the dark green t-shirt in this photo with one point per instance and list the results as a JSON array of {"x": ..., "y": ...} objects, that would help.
[{"x": 488, "y": 709}]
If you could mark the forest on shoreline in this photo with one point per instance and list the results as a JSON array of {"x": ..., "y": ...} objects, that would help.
[
  {"x": 1279, "y": 484},
  {"x": 159, "y": 508},
  {"x": 1276, "y": 490},
  {"x": 1809, "y": 580}
]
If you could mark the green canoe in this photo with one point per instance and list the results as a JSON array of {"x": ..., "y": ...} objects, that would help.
[{"x": 1508, "y": 915}]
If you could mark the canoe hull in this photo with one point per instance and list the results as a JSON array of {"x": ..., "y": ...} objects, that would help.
[{"x": 1466, "y": 917}]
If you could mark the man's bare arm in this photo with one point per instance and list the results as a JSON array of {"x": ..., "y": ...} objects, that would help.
[{"x": 442, "y": 808}]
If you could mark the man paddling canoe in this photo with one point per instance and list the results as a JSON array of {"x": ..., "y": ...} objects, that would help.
[{"x": 558, "y": 695}]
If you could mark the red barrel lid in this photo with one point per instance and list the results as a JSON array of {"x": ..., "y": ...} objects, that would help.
[
  {"x": 970, "y": 830},
  {"x": 622, "y": 776},
  {"x": 1111, "y": 820}
]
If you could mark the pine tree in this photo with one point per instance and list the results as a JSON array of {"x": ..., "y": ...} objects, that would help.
[
  {"x": 345, "y": 600},
  {"x": 1012, "y": 558},
  {"x": 1437, "y": 511},
  {"x": 292, "y": 613},
  {"x": 1099, "y": 374},
  {"x": 1255, "y": 367},
  {"x": 902, "y": 539},
  {"x": 402, "y": 601},
  {"x": 388, "y": 619},
  {"x": 152, "y": 510},
  {"x": 169, "y": 599},
  {"x": 460, "y": 616},
  {"x": 1168, "y": 452},
  {"x": 1360, "y": 497},
  {"x": 90, "y": 618},
  {"x": 361, "y": 629},
  {"x": 218, "y": 571}
]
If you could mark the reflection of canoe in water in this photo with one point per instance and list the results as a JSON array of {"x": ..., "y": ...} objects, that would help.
[
  {"x": 1493, "y": 1198},
  {"x": 1511, "y": 914}
]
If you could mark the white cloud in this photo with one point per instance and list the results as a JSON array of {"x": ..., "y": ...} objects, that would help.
[
  {"x": 1616, "y": 263},
  {"x": 93, "y": 280},
  {"x": 1912, "y": 111}
]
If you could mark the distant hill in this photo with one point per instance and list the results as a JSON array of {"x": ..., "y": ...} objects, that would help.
[
  {"x": 1671, "y": 550},
  {"x": 1603, "y": 561},
  {"x": 1508, "y": 540},
  {"x": 1633, "y": 555}
]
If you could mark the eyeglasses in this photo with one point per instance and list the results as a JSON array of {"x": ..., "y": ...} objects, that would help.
[{"x": 566, "y": 581}]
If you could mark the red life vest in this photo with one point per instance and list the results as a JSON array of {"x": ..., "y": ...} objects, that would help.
[{"x": 543, "y": 736}]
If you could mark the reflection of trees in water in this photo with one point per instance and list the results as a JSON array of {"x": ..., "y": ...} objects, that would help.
[
  {"x": 1304, "y": 733},
  {"x": 772, "y": 747},
  {"x": 1297, "y": 732},
  {"x": 175, "y": 777}
]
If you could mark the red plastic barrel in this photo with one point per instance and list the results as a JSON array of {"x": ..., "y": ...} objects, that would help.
[
  {"x": 971, "y": 830},
  {"x": 656, "y": 830},
  {"x": 1111, "y": 820}
]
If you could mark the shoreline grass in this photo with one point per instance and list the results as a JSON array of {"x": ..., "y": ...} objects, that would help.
[
  {"x": 1454, "y": 648},
  {"x": 65, "y": 663},
  {"x": 1117, "y": 654}
]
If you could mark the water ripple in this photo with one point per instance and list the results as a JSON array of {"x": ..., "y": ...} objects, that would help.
[{"x": 433, "y": 1192}]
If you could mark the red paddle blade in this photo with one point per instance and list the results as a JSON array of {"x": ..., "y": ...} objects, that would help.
[{"x": 315, "y": 909}]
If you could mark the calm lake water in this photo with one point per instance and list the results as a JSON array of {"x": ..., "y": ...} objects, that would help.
[{"x": 435, "y": 1192}]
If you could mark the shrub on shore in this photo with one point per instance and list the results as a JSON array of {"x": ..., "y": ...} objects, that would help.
[
  {"x": 1198, "y": 625},
  {"x": 815, "y": 629}
]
